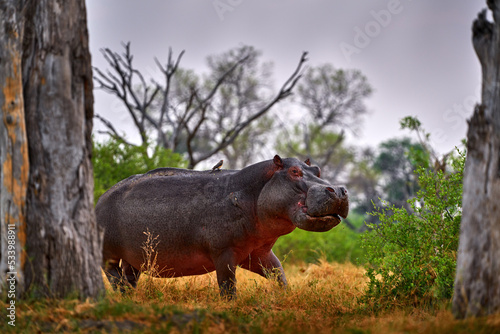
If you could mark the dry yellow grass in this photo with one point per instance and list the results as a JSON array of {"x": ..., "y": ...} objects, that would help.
[
  {"x": 321, "y": 298},
  {"x": 317, "y": 297}
]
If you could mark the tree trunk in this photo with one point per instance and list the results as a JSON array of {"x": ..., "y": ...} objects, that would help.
[
  {"x": 477, "y": 283},
  {"x": 14, "y": 164},
  {"x": 64, "y": 242}
]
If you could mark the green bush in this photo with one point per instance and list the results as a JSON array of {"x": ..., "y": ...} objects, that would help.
[
  {"x": 412, "y": 255},
  {"x": 341, "y": 244},
  {"x": 114, "y": 161}
]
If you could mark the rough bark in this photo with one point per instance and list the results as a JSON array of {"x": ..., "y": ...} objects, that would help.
[
  {"x": 477, "y": 283},
  {"x": 63, "y": 240},
  {"x": 14, "y": 164}
]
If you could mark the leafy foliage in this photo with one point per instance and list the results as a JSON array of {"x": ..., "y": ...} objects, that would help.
[
  {"x": 326, "y": 148},
  {"x": 338, "y": 245},
  {"x": 397, "y": 162},
  {"x": 387, "y": 174},
  {"x": 363, "y": 182},
  {"x": 334, "y": 97},
  {"x": 114, "y": 161},
  {"x": 412, "y": 254}
]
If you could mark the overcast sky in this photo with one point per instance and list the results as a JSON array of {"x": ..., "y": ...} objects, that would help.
[{"x": 417, "y": 55}]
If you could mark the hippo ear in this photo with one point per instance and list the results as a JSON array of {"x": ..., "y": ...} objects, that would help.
[
  {"x": 277, "y": 161},
  {"x": 308, "y": 162}
]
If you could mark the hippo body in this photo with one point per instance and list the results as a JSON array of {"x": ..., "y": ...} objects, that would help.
[{"x": 214, "y": 220}]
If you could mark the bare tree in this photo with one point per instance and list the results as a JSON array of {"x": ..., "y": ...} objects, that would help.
[
  {"x": 250, "y": 146},
  {"x": 333, "y": 100},
  {"x": 334, "y": 97},
  {"x": 477, "y": 283},
  {"x": 198, "y": 117}
]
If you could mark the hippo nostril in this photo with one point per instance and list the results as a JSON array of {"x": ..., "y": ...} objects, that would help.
[
  {"x": 330, "y": 189},
  {"x": 343, "y": 191}
]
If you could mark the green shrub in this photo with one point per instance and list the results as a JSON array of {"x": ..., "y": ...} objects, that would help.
[
  {"x": 114, "y": 161},
  {"x": 412, "y": 255},
  {"x": 341, "y": 244}
]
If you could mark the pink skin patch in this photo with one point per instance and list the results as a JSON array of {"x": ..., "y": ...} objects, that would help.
[{"x": 302, "y": 206}]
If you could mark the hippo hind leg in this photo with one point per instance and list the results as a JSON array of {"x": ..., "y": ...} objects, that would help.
[{"x": 121, "y": 276}]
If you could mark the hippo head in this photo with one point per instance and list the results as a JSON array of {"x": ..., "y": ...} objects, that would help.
[{"x": 296, "y": 194}]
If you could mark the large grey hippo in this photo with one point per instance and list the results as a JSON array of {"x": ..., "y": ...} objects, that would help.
[{"x": 214, "y": 220}]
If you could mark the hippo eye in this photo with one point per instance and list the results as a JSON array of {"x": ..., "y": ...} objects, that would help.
[{"x": 295, "y": 172}]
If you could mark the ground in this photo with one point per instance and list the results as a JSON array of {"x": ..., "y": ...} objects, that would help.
[{"x": 321, "y": 298}]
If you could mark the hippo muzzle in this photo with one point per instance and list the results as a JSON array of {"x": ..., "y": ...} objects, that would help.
[{"x": 324, "y": 205}]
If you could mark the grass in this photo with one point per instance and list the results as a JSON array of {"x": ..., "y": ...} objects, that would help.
[{"x": 321, "y": 298}]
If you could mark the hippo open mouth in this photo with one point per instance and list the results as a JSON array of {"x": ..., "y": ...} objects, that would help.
[
  {"x": 322, "y": 209},
  {"x": 327, "y": 216},
  {"x": 332, "y": 215},
  {"x": 307, "y": 222}
]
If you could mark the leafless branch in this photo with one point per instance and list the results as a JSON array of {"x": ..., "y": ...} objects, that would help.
[
  {"x": 186, "y": 115},
  {"x": 112, "y": 131},
  {"x": 169, "y": 70},
  {"x": 285, "y": 91},
  {"x": 119, "y": 81}
]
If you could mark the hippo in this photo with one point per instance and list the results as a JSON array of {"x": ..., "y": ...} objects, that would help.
[{"x": 214, "y": 220}]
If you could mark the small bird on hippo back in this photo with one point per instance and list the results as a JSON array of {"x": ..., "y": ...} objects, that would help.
[{"x": 217, "y": 166}]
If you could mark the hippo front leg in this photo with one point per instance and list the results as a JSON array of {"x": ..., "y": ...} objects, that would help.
[
  {"x": 267, "y": 265},
  {"x": 225, "y": 267}
]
